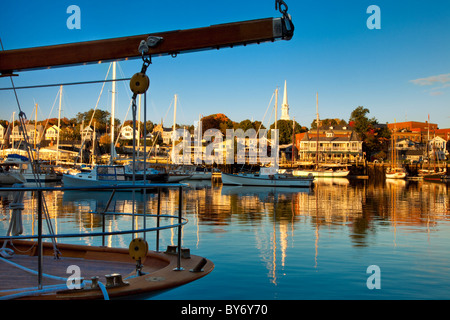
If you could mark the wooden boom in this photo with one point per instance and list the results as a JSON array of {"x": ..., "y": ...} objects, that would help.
[{"x": 174, "y": 42}]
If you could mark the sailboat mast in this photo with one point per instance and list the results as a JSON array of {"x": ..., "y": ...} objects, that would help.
[
  {"x": 293, "y": 140},
  {"x": 35, "y": 126},
  {"x": 59, "y": 124},
  {"x": 317, "y": 124},
  {"x": 113, "y": 106},
  {"x": 12, "y": 129},
  {"x": 276, "y": 108},
  {"x": 174, "y": 128}
]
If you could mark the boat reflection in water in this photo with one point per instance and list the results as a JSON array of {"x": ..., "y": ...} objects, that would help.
[{"x": 299, "y": 243}]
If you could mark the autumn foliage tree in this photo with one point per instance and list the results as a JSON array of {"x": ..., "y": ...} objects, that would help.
[{"x": 375, "y": 137}]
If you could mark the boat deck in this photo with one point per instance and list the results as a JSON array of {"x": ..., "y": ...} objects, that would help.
[
  {"x": 12, "y": 277},
  {"x": 159, "y": 270}
]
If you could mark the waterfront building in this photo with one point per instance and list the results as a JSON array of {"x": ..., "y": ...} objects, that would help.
[
  {"x": 126, "y": 133},
  {"x": 3, "y": 135},
  {"x": 336, "y": 144},
  {"x": 34, "y": 134},
  {"x": 164, "y": 133}
]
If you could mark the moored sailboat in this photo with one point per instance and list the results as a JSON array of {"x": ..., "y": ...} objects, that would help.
[{"x": 395, "y": 171}]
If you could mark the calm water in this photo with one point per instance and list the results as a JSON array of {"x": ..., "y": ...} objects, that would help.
[{"x": 287, "y": 243}]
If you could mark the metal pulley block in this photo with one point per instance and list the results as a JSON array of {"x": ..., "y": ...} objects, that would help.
[{"x": 139, "y": 83}]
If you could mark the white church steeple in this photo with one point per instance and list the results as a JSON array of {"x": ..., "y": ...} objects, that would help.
[{"x": 285, "y": 105}]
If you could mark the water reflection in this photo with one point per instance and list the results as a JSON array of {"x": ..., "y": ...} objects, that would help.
[{"x": 278, "y": 225}]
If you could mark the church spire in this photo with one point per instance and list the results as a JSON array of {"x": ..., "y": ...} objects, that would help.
[{"x": 285, "y": 105}]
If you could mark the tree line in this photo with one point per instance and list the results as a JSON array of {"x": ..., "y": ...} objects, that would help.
[{"x": 375, "y": 137}]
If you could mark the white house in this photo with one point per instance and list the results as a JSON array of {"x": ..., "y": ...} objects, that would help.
[
  {"x": 2, "y": 134},
  {"x": 437, "y": 148},
  {"x": 126, "y": 133},
  {"x": 52, "y": 133},
  {"x": 87, "y": 133}
]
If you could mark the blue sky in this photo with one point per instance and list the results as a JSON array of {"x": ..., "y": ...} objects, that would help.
[{"x": 399, "y": 72}]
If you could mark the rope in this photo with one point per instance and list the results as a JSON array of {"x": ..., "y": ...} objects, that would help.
[{"x": 46, "y": 289}]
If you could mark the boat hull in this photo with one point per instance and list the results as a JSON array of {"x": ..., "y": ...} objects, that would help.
[
  {"x": 178, "y": 177},
  {"x": 43, "y": 177},
  {"x": 434, "y": 176},
  {"x": 321, "y": 173},
  {"x": 10, "y": 178},
  {"x": 74, "y": 181},
  {"x": 396, "y": 175},
  {"x": 266, "y": 181},
  {"x": 201, "y": 176}
]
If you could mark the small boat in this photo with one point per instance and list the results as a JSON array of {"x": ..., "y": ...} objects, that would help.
[
  {"x": 175, "y": 176},
  {"x": 8, "y": 177},
  {"x": 101, "y": 175},
  {"x": 433, "y": 176},
  {"x": 396, "y": 173},
  {"x": 201, "y": 173},
  {"x": 32, "y": 172},
  {"x": 322, "y": 173},
  {"x": 267, "y": 177}
]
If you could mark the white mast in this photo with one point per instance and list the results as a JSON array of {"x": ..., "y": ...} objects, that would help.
[
  {"x": 12, "y": 129},
  {"x": 317, "y": 124},
  {"x": 276, "y": 107},
  {"x": 59, "y": 124},
  {"x": 113, "y": 106},
  {"x": 285, "y": 105},
  {"x": 276, "y": 131}
]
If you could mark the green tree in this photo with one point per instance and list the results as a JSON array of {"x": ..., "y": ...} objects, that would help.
[
  {"x": 374, "y": 136},
  {"x": 102, "y": 119},
  {"x": 285, "y": 130}
]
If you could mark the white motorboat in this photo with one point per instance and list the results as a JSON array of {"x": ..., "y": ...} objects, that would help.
[
  {"x": 101, "y": 175},
  {"x": 267, "y": 177},
  {"x": 31, "y": 172}
]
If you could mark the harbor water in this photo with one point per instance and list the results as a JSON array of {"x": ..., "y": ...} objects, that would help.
[{"x": 342, "y": 239}]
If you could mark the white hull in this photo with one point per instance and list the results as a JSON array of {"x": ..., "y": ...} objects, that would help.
[
  {"x": 396, "y": 173},
  {"x": 321, "y": 173},
  {"x": 201, "y": 176},
  {"x": 43, "y": 177},
  {"x": 75, "y": 181},
  {"x": 11, "y": 178},
  {"x": 265, "y": 180},
  {"x": 178, "y": 177}
]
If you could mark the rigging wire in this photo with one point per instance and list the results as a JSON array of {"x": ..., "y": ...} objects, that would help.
[
  {"x": 23, "y": 130},
  {"x": 64, "y": 84}
]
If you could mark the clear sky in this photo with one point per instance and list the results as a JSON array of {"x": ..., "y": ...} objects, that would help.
[{"x": 399, "y": 72}]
